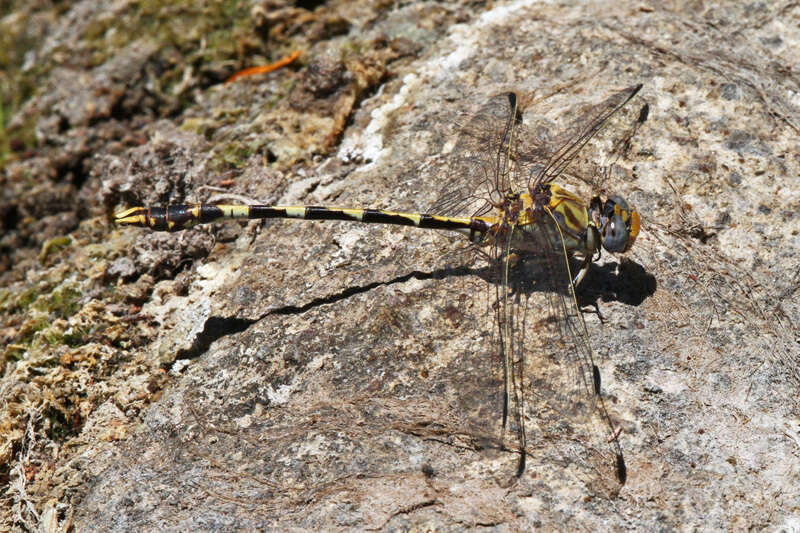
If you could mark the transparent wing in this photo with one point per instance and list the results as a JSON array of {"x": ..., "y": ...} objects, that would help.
[
  {"x": 557, "y": 383},
  {"x": 479, "y": 172},
  {"x": 497, "y": 153},
  {"x": 585, "y": 125},
  {"x": 550, "y": 376}
]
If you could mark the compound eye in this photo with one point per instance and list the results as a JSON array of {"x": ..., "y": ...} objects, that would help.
[
  {"x": 615, "y": 234},
  {"x": 615, "y": 204}
]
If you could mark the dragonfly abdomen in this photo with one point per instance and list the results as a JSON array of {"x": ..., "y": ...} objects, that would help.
[{"x": 182, "y": 216}]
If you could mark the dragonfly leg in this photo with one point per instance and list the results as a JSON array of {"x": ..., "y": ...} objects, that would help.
[
  {"x": 594, "y": 309},
  {"x": 582, "y": 272}
]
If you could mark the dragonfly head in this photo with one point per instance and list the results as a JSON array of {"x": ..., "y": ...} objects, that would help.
[{"x": 616, "y": 221}]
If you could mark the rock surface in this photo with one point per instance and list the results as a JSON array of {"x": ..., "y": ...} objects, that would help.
[{"x": 316, "y": 375}]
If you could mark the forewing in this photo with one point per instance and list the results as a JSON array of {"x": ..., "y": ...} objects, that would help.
[{"x": 586, "y": 123}]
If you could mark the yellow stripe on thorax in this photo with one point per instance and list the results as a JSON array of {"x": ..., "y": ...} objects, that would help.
[{"x": 575, "y": 214}]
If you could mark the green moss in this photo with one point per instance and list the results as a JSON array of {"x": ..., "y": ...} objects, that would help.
[
  {"x": 75, "y": 337},
  {"x": 201, "y": 126},
  {"x": 353, "y": 48},
  {"x": 53, "y": 246},
  {"x": 15, "y": 352},
  {"x": 26, "y": 298},
  {"x": 234, "y": 154},
  {"x": 41, "y": 309},
  {"x": 31, "y": 328},
  {"x": 61, "y": 302},
  {"x": 16, "y": 87},
  {"x": 187, "y": 33},
  {"x": 50, "y": 337},
  {"x": 54, "y": 336}
]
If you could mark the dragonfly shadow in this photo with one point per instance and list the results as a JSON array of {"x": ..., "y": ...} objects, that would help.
[{"x": 626, "y": 282}]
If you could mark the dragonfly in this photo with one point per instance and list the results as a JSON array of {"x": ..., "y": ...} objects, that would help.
[{"x": 535, "y": 235}]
